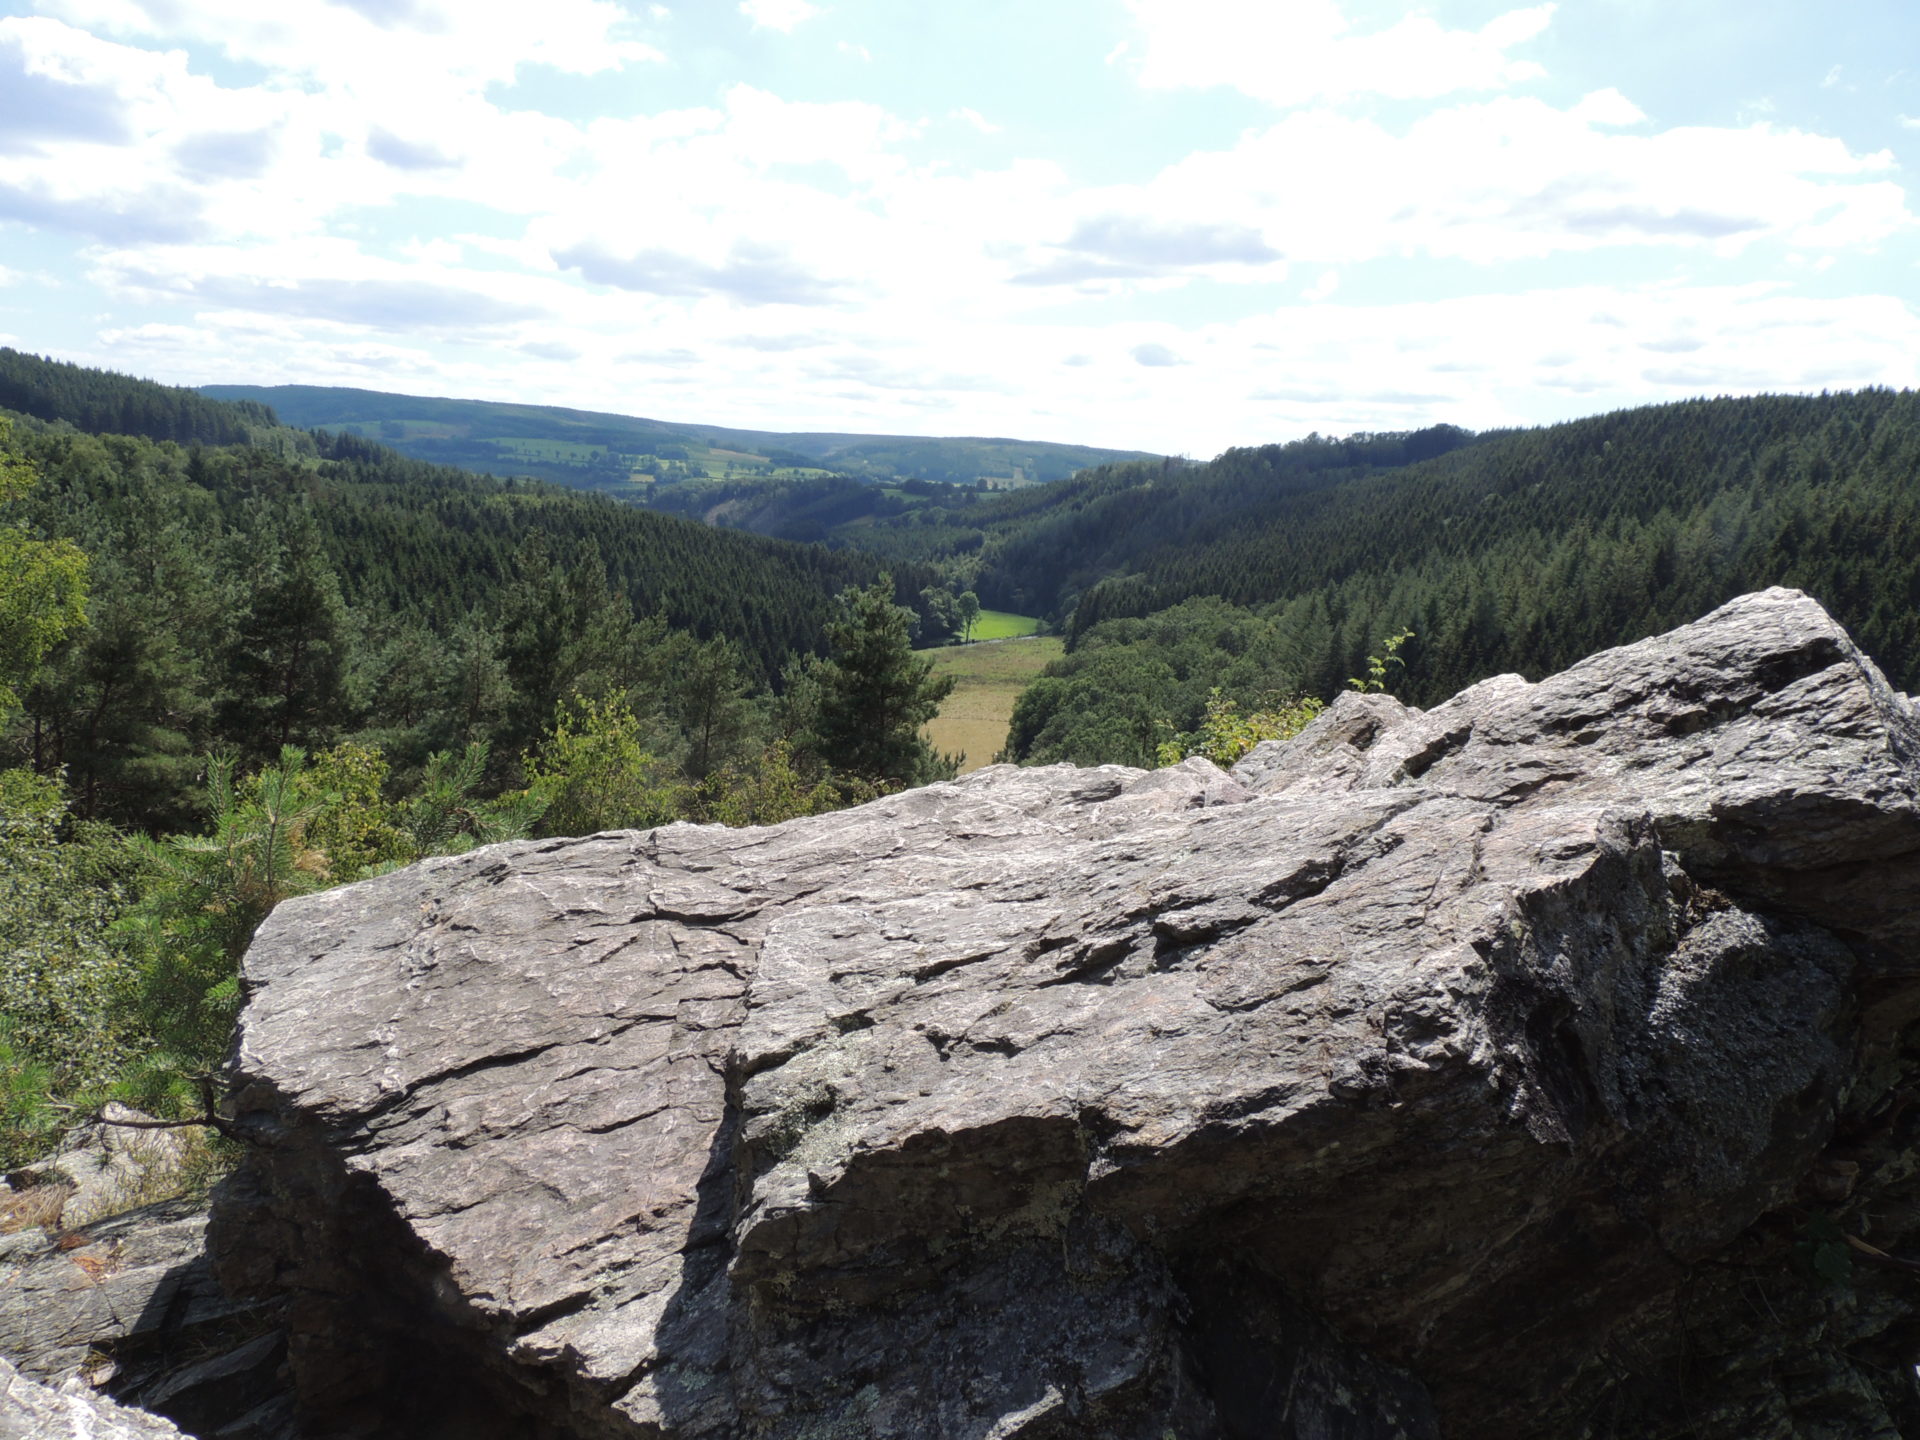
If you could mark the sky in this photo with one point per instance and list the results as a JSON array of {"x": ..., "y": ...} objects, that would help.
[{"x": 1171, "y": 225}]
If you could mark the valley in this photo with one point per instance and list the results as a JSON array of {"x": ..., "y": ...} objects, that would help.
[{"x": 990, "y": 675}]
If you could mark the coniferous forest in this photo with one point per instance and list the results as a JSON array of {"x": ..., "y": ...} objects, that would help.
[{"x": 243, "y": 660}]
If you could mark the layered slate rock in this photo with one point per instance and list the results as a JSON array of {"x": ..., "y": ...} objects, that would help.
[
  {"x": 1538, "y": 1065},
  {"x": 30, "y": 1410},
  {"x": 127, "y": 1304}
]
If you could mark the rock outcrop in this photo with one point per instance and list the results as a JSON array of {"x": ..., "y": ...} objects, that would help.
[
  {"x": 30, "y": 1410},
  {"x": 1540, "y": 1065},
  {"x": 127, "y": 1303}
]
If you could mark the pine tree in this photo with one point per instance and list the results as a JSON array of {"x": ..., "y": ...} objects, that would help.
[{"x": 875, "y": 693}]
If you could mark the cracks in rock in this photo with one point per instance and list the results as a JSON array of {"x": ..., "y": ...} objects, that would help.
[
  {"x": 419, "y": 1087},
  {"x": 1450, "y": 742},
  {"x": 1094, "y": 963},
  {"x": 934, "y": 969}
]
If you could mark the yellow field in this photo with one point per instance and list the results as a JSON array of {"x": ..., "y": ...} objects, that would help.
[{"x": 992, "y": 674}]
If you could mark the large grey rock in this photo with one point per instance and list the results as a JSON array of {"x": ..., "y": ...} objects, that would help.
[{"x": 1534, "y": 1066}]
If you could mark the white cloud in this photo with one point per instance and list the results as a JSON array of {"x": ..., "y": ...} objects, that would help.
[
  {"x": 1294, "y": 52},
  {"x": 1911, "y": 122},
  {"x": 1156, "y": 356},
  {"x": 977, "y": 120},
  {"x": 858, "y": 52},
  {"x": 1511, "y": 179},
  {"x": 375, "y": 46},
  {"x": 1323, "y": 288},
  {"x": 813, "y": 265},
  {"x": 1607, "y": 107},
  {"x": 781, "y": 15}
]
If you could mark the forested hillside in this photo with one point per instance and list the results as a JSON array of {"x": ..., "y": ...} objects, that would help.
[
  {"x": 311, "y": 588},
  {"x": 1520, "y": 552},
  {"x": 234, "y": 673},
  {"x": 105, "y": 403},
  {"x": 1036, "y": 550},
  {"x": 648, "y": 460}
]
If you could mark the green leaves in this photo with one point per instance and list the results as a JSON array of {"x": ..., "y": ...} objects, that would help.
[
  {"x": 1225, "y": 734},
  {"x": 43, "y": 585},
  {"x": 63, "y": 1031},
  {"x": 875, "y": 693}
]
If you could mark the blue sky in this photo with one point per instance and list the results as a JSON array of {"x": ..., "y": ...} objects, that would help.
[{"x": 1172, "y": 224}]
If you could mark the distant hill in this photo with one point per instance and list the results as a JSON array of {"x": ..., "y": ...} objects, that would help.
[
  {"x": 630, "y": 456},
  {"x": 102, "y": 402},
  {"x": 1284, "y": 568}
]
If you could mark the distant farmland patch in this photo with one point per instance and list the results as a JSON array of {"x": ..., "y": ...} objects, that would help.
[
  {"x": 1001, "y": 625},
  {"x": 974, "y": 720}
]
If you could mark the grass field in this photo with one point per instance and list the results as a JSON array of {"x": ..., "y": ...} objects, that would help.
[
  {"x": 1000, "y": 625},
  {"x": 991, "y": 677}
]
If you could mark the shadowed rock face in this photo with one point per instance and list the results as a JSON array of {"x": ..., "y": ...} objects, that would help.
[{"x": 1534, "y": 1066}]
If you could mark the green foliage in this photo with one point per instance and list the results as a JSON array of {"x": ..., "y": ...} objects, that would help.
[
  {"x": 446, "y": 815},
  {"x": 770, "y": 790},
  {"x": 1132, "y": 684},
  {"x": 1821, "y": 1250},
  {"x": 586, "y": 448},
  {"x": 42, "y": 584},
  {"x": 62, "y": 1036},
  {"x": 1225, "y": 734},
  {"x": 875, "y": 694},
  {"x": 348, "y": 828},
  {"x": 595, "y": 771},
  {"x": 201, "y": 899},
  {"x": 244, "y": 597},
  {"x": 1378, "y": 665},
  {"x": 706, "y": 696}
]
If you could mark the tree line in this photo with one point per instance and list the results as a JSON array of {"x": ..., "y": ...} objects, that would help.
[
  {"x": 1522, "y": 552},
  {"x": 233, "y": 674}
]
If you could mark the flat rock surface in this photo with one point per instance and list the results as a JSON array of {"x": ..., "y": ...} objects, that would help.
[{"x": 1403, "y": 1082}]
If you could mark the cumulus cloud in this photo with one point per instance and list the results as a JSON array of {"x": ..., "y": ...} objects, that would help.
[
  {"x": 820, "y": 265},
  {"x": 390, "y": 149},
  {"x": 1289, "y": 54},
  {"x": 401, "y": 305},
  {"x": 1119, "y": 247},
  {"x": 751, "y": 274},
  {"x": 1517, "y": 178},
  {"x": 781, "y": 15},
  {"x": 48, "y": 92},
  {"x": 156, "y": 213},
  {"x": 227, "y": 154},
  {"x": 374, "y": 46}
]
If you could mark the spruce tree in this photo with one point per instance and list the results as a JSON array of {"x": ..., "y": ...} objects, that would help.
[{"x": 875, "y": 693}]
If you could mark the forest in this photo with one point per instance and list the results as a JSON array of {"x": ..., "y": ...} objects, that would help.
[
  {"x": 236, "y": 671},
  {"x": 242, "y": 659},
  {"x": 1520, "y": 552}
]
